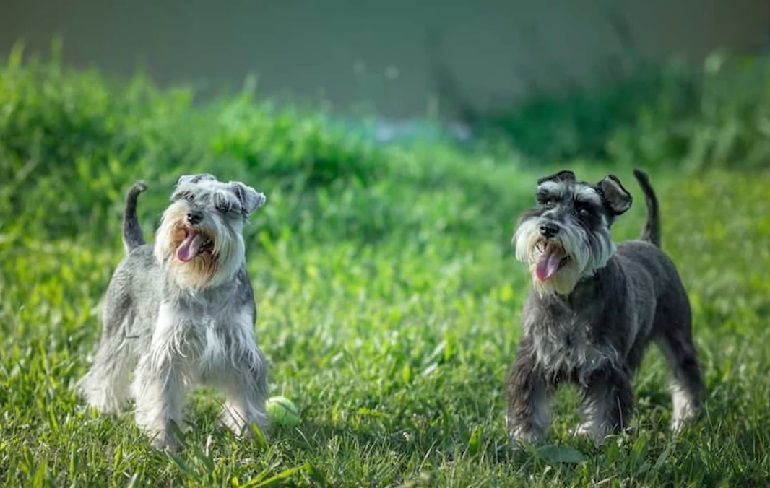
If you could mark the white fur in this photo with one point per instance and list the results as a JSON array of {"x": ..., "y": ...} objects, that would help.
[
  {"x": 228, "y": 246},
  {"x": 584, "y": 262},
  {"x": 188, "y": 350},
  {"x": 187, "y": 323},
  {"x": 230, "y": 371},
  {"x": 683, "y": 406},
  {"x": 107, "y": 391}
]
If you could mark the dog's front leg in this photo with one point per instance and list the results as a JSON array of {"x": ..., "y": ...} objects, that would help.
[
  {"x": 158, "y": 387},
  {"x": 245, "y": 390},
  {"x": 243, "y": 380},
  {"x": 607, "y": 403},
  {"x": 159, "y": 393},
  {"x": 528, "y": 394}
]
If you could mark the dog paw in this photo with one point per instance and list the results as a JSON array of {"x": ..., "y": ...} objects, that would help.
[
  {"x": 520, "y": 438},
  {"x": 164, "y": 441},
  {"x": 596, "y": 433},
  {"x": 584, "y": 429}
]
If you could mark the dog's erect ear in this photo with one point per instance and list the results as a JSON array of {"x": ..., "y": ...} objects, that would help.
[
  {"x": 562, "y": 176},
  {"x": 614, "y": 195},
  {"x": 250, "y": 198},
  {"x": 184, "y": 179}
]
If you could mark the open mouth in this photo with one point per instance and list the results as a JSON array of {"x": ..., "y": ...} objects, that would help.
[
  {"x": 194, "y": 244},
  {"x": 552, "y": 258}
]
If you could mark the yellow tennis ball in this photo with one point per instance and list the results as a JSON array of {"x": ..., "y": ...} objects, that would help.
[{"x": 282, "y": 411}]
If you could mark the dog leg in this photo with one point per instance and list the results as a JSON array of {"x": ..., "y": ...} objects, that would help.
[
  {"x": 158, "y": 387},
  {"x": 243, "y": 379},
  {"x": 106, "y": 385},
  {"x": 685, "y": 383},
  {"x": 158, "y": 390},
  {"x": 528, "y": 394},
  {"x": 607, "y": 403},
  {"x": 245, "y": 390}
]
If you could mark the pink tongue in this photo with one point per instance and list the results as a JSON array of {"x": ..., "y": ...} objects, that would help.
[
  {"x": 549, "y": 262},
  {"x": 189, "y": 248}
]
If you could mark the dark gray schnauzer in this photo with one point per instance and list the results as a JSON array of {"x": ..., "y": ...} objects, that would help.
[
  {"x": 181, "y": 313},
  {"x": 593, "y": 309}
]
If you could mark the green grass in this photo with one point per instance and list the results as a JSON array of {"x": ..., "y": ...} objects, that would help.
[{"x": 389, "y": 301}]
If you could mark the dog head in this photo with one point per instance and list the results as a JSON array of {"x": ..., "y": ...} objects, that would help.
[
  {"x": 566, "y": 236},
  {"x": 200, "y": 238}
]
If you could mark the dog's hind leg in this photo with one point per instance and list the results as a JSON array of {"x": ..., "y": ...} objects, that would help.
[
  {"x": 686, "y": 383},
  {"x": 106, "y": 385}
]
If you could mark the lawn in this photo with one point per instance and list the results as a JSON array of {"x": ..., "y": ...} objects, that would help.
[{"x": 389, "y": 300}]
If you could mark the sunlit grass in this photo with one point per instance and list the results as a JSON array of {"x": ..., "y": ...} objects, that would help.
[{"x": 389, "y": 307}]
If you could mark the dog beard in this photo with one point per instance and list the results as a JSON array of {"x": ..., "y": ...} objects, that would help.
[
  {"x": 558, "y": 264},
  {"x": 200, "y": 256}
]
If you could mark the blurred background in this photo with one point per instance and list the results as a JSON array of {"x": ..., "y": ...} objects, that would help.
[
  {"x": 397, "y": 58},
  {"x": 397, "y": 141},
  {"x": 347, "y": 105}
]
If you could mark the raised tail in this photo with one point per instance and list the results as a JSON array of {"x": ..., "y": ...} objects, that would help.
[
  {"x": 651, "y": 230},
  {"x": 132, "y": 233}
]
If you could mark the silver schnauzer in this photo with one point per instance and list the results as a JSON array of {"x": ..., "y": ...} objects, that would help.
[
  {"x": 593, "y": 309},
  {"x": 182, "y": 313}
]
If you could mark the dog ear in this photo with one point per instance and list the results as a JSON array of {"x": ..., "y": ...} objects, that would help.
[
  {"x": 184, "y": 179},
  {"x": 562, "y": 176},
  {"x": 614, "y": 195},
  {"x": 250, "y": 198}
]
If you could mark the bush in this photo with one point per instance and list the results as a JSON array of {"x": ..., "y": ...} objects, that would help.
[
  {"x": 71, "y": 142},
  {"x": 725, "y": 125},
  {"x": 290, "y": 144},
  {"x": 671, "y": 115}
]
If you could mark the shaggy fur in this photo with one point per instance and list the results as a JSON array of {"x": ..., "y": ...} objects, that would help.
[
  {"x": 181, "y": 313},
  {"x": 593, "y": 309}
]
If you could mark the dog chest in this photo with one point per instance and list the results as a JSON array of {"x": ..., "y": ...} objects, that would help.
[
  {"x": 566, "y": 348},
  {"x": 191, "y": 334}
]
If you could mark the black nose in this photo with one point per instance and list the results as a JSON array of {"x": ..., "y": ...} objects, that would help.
[
  {"x": 548, "y": 230},
  {"x": 194, "y": 217}
]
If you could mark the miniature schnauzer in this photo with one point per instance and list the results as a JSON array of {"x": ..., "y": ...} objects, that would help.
[
  {"x": 593, "y": 309},
  {"x": 181, "y": 313}
]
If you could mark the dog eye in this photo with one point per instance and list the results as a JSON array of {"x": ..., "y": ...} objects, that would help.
[
  {"x": 546, "y": 201},
  {"x": 582, "y": 209}
]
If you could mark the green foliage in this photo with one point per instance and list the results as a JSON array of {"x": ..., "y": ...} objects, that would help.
[
  {"x": 579, "y": 122},
  {"x": 389, "y": 300},
  {"x": 724, "y": 125},
  {"x": 292, "y": 144},
  {"x": 673, "y": 115}
]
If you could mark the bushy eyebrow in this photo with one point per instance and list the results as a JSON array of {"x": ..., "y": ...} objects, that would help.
[
  {"x": 586, "y": 194},
  {"x": 551, "y": 189}
]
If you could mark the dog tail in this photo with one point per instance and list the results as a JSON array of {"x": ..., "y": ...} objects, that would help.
[
  {"x": 132, "y": 233},
  {"x": 651, "y": 232}
]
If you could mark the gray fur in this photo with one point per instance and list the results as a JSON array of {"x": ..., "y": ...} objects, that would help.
[
  {"x": 132, "y": 233},
  {"x": 163, "y": 334},
  {"x": 595, "y": 334},
  {"x": 651, "y": 230}
]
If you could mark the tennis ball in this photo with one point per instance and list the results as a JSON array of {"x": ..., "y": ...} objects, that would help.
[{"x": 282, "y": 411}]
